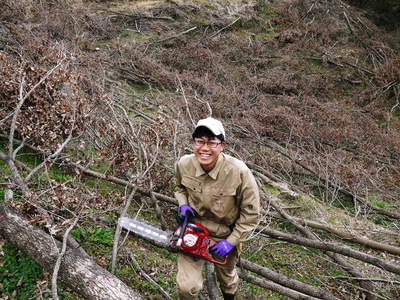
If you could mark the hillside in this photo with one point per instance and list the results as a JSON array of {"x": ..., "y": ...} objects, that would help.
[{"x": 98, "y": 98}]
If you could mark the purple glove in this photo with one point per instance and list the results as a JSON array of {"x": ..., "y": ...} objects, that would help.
[
  {"x": 222, "y": 248},
  {"x": 186, "y": 210}
]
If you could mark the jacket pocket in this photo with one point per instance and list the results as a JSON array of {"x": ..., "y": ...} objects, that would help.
[
  {"x": 194, "y": 189},
  {"x": 192, "y": 183},
  {"x": 224, "y": 205}
]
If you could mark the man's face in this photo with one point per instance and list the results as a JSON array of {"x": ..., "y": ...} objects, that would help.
[{"x": 207, "y": 151}]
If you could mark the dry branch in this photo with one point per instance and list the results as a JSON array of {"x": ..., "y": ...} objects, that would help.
[
  {"x": 225, "y": 27},
  {"x": 118, "y": 230},
  {"x": 175, "y": 36},
  {"x": 274, "y": 146},
  {"x": 59, "y": 260}
]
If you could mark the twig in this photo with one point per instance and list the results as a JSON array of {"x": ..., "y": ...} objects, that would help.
[
  {"x": 59, "y": 259},
  {"x": 57, "y": 152},
  {"x": 334, "y": 247},
  {"x": 135, "y": 17},
  {"x": 11, "y": 153},
  {"x": 223, "y": 28},
  {"x": 6, "y": 117},
  {"x": 207, "y": 104},
  {"x": 155, "y": 156},
  {"x": 118, "y": 230},
  {"x": 157, "y": 208},
  {"x": 8, "y": 195},
  {"x": 186, "y": 102},
  {"x": 52, "y": 156},
  {"x": 145, "y": 275},
  {"x": 308, "y": 11},
  {"x": 367, "y": 279},
  {"x": 397, "y": 104},
  {"x": 175, "y": 36},
  {"x": 15, "y": 116}
]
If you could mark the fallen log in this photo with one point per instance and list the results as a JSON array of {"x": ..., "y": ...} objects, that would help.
[
  {"x": 274, "y": 286},
  {"x": 78, "y": 272},
  {"x": 286, "y": 282},
  {"x": 328, "y": 246}
]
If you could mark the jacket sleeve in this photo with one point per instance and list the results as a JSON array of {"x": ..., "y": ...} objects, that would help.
[
  {"x": 180, "y": 192},
  {"x": 249, "y": 206}
]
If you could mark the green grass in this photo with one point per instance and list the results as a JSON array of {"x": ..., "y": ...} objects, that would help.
[
  {"x": 98, "y": 235},
  {"x": 18, "y": 274},
  {"x": 381, "y": 220},
  {"x": 379, "y": 204},
  {"x": 20, "y": 277}
]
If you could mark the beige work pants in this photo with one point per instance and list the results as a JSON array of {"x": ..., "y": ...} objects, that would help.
[{"x": 190, "y": 275}]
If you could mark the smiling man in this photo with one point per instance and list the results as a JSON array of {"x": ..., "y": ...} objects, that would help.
[{"x": 221, "y": 193}]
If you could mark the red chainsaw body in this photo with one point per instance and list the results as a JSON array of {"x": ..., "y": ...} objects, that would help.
[{"x": 197, "y": 242}]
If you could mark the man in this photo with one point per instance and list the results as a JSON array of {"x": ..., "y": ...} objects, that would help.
[{"x": 222, "y": 194}]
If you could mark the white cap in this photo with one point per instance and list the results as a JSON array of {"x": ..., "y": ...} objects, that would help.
[{"x": 214, "y": 125}]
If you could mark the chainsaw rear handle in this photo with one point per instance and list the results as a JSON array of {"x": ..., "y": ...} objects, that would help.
[
  {"x": 214, "y": 257},
  {"x": 184, "y": 225}
]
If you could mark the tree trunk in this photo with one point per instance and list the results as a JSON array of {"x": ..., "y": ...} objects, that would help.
[{"x": 78, "y": 272}]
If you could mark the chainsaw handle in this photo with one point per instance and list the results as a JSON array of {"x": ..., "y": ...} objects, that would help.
[
  {"x": 213, "y": 257},
  {"x": 184, "y": 225}
]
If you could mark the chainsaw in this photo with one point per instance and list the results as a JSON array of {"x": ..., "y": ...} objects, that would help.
[{"x": 189, "y": 237}]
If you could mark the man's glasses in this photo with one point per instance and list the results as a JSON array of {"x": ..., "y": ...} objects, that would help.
[{"x": 201, "y": 143}]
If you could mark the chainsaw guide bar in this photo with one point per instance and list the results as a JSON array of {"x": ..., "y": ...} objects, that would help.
[
  {"x": 190, "y": 238},
  {"x": 145, "y": 230}
]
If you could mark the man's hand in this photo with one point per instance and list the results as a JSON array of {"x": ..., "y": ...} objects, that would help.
[
  {"x": 186, "y": 210},
  {"x": 222, "y": 248}
]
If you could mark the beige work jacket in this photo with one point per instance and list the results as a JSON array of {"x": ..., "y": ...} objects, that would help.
[{"x": 226, "y": 199}]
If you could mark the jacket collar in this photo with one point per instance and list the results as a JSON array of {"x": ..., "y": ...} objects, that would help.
[{"x": 215, "y": 171}]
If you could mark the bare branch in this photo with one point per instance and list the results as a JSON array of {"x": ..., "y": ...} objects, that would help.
[
  {"x": 175, "y": 36},
  {"x": 186, "y": 102},
  {"x": 367, "y": 279},
  {"x": 59, "y": 259},
  {"x": 225, "y": 27},
  {"x": 145, "y": 275},
  {"x": 50, "y": 157},
  {"x": 119, "y": 229}
]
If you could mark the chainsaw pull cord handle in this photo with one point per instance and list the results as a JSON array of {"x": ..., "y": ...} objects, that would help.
[{"x": 184, "y": 225}]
